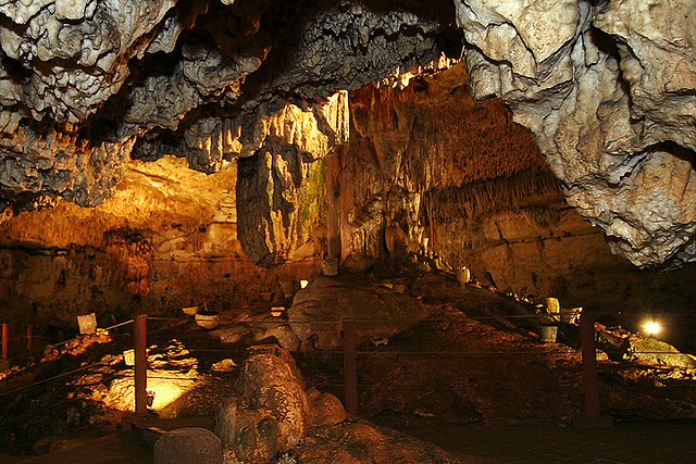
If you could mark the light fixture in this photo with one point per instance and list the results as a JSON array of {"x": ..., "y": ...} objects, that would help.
[
  {"x": 652, "y": 327},
  {"x": 277, "y": 311}
]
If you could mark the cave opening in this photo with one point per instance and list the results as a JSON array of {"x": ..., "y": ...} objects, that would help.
[{"x": 360, "y": 231}]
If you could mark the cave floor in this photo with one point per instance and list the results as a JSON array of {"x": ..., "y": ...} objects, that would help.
[
  {"x": 430, "y": 381},
  {"x": 634, "y": 443},
  {"x": 93, "y": 446}
]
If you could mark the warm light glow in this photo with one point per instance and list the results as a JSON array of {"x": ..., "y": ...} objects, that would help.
[
  {"x": 277, "y": 311},
  {"x": 652, "y": 327},
  {"x": 163, "y": 391},
  {"x": 167, "y": 392},
  {"x": 304, "y": 283}
]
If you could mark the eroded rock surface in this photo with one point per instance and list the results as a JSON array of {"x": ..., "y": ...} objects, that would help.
[
  {"x": 608, "y": 90},
  {"x": 621, "y": 144},
  {"x": 361, "y": 442},
  {"x": 319, "y": 310},
  {"x": 272, "y": 418}
]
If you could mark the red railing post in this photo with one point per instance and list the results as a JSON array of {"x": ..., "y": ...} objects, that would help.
[
  {"x": 5, "y": 341},
  {"x": 140, "y": 342},
  {"x": 350, "y": 366},
  {"x": 589, "y": 366},
  {"x": 30, "y": 344}
]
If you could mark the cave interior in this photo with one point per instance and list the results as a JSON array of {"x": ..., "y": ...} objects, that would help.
[{"x": 358, "y": 231}]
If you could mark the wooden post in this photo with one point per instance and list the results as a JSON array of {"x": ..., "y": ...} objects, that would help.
[
  {"x": 350, "y": 366},
  {"x": 5, "y": 341},
  {"x": 30, "y": 344},
  {"x": 589, "y": 366},
  {"x": 140, "y": 342}
]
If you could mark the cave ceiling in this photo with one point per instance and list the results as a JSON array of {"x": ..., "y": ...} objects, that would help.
[{"x": 607, "y": 89}]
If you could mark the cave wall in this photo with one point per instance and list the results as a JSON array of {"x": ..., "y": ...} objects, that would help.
[
  {"x": 606, "y": 88},
  {"x": 429, "y": 161},
  {"x": 364, "y": 176},
  {"x": 167, "y": 238}
]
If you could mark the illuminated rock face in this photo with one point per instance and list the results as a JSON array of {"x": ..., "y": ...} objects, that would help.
[
  {"x": 167, "y": 238},
  {"x": 427, "y": 162},
  {"x": 607, "y": 90},
  {"x": 612, "y": 110}
]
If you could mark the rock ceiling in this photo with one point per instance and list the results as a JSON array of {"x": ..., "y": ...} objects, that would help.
[{"x": 608, "y": 90}]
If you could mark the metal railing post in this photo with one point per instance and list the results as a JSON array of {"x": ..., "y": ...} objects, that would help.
[
  {"x": 589, "y": 366},
  {"x": 5, "y": 341},
  {"x": 350, "y": 366},
  {"x": 140, "y": 342},
  {"x": 30, "y": 343}
]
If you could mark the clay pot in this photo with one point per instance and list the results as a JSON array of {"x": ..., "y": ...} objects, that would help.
[
  {"x": 548, "y": 333},
  {"x": 190, "y": 310},
  {"x": 129, "y": 357},
  {"x": 207, "y": 320},
  {"x": 463, "y": 276}
]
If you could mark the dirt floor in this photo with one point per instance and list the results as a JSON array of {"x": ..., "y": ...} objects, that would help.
[
  {"x": 642, "y": 443},
  {"x": 93, "y": 446},
  {"x": 667, "y": 443}
]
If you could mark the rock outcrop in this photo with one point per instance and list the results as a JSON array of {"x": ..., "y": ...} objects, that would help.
[
  {"x": 620, "y": 143},
  {"x": 269, "y": 412},
  {"x": 606, "y": 88},
  {"x": 272, "y": 418},
  {"x": 319, "y": 310},
  {"x": 188, "y": 444}
]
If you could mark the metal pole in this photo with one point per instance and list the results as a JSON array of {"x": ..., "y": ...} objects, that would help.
[
  {"x": 5, "y": 341},
  {"x": 140, "y": 342},
  {"x": 350, "y": 366},
  {"x": 589, "y": 366}
]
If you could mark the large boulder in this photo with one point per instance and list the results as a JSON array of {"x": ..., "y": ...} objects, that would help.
[
  {"x": 657, "y": 352},
  {"x": 188, "y": 445},
  {"x": 272, "y": 418},
  {"x": 360, "y": 442},
  {"x": 318, "y": 311},
  {"x": 269, "y": 411}
]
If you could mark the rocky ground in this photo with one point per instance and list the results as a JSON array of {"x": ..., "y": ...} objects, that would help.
[{"x": 457, "y": 356}]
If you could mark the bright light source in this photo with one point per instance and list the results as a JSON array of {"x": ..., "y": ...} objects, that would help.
[{"x": 652, "y": 327}]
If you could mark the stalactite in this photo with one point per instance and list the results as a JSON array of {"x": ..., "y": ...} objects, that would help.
[{"x": 504, "y": 193}]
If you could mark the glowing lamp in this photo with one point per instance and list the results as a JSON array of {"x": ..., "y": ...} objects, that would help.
[
  {"x": 277, "y": 311},
  {"x": 304, "y": 283},
  {"x": 652, "y": 327}
]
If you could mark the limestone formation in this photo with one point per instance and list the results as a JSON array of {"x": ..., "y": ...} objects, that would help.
[
  {"x": 594, "y": 112},
  {"x": 272, "y": 418},
  {"x": 188, "y": 445},
  {"x": 269, "y": 411},
  {"x": 606, "y": 88},
  {"x": 319, "y": 310}
]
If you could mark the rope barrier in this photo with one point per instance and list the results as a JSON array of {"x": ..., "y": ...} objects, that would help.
[
  {"x": 49, "y": 379},
  {"x": 459, "y": 319}
]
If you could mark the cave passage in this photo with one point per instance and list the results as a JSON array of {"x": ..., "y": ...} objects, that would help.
[{"x": 376, "y": 231}]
